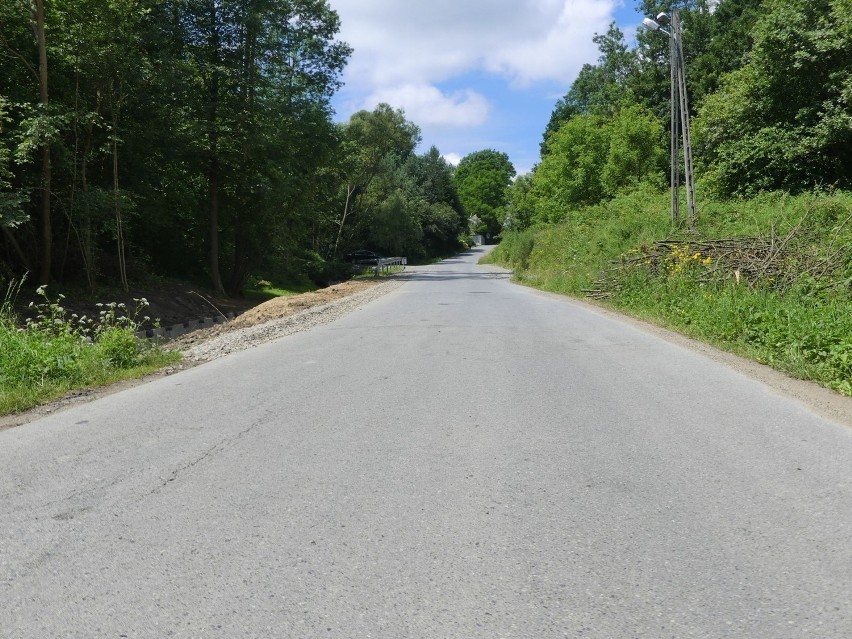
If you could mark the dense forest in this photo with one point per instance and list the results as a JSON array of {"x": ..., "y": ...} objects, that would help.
[{"x": 194, "y": 139}]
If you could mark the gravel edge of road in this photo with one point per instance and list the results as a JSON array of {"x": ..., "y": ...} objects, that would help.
[
  {"x": 250, "y": 336},
  {"x": 206, "y": 349}
]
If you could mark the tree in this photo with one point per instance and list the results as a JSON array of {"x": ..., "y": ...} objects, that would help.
[
  {"x": 46, "y": 228},
  {"x": 482, "y": 179},
  {"x": 569, "y": 175},
  {"x": 600, "y": 88},
  {"x": 372, "y": 141},
  {"x": 593, "y": 157},
  {"x": 392, "y": 227},
  {"x": 23, "y": 36},
  {"x": 434, "y": 177},
  {"x": 636, "y": 149},
  {"x": 730, "y": 41},
  {"x": 782, "y": 121},
  {"x": 185, "y": 135},
  {"x": 650, "y": 80},
  {"x": 520, "y": 210},
  {"x": 268, "y": 68},
  {"x": 440, "y": 214},
  {"x": 39, "y": 127},
  {"x": 11, "y": 199}
]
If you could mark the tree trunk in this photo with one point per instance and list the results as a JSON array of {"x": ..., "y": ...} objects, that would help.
[
  {"x": 239, "y": 274},
  {"x": 213, "y": 190},
  {"x": 46, "y": 229},
  {"x": 87, "y": 248},
  {"x": 17, "y": 247},
  {"x": 213, "y": 169},
  {"x": 350, "y": 190},
  {"x": 86, "y": 241}
]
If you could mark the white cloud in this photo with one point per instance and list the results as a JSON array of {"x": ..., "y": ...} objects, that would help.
[
  {"x": 452, "y": 158},
  {"x": 472, "y": 74},
  {"x": 427, "y": 105},
  {"x": 415, "y": 42}
]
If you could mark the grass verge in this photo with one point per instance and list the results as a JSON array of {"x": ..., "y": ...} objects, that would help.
[
  {"x": 57, "y": 353},
  {"x": 266, "y": 290}
]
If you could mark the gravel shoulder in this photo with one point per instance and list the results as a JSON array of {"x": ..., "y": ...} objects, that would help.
[
  {"x": 264, "y": 323},
  {"x": 278, "y": 318}
]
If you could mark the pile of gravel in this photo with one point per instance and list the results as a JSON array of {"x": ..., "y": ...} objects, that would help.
[{"x": 239, "y": 339}]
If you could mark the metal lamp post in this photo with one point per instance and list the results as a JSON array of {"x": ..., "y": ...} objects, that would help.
[{"x": 680, "y": 116}]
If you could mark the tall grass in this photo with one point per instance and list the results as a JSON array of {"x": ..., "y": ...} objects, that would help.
[
  {"x": 55, "y": 353},
  {"x": 796, "y": 316}
]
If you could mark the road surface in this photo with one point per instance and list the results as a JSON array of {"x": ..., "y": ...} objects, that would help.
[{"x": 463, "y": 457}]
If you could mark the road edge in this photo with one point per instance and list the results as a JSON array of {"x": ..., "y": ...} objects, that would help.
[{"x": 817, "y": 399}]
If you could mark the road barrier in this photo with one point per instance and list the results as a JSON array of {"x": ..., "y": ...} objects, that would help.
[{"x": 386, "y": 263}]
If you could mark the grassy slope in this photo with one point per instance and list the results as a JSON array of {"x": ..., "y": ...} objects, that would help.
[
  {"x": 59, "y": 352},
  {"x": 795, "y": 315}
]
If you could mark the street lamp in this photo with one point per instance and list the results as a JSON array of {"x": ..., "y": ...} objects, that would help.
[
  {"x": 680, "y": 115},
  {"x": 653, "y": 25}
]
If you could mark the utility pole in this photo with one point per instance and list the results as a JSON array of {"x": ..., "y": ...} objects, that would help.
[
  {"x": 680, "y": 118},
  {"x": 675, "y": 128}
]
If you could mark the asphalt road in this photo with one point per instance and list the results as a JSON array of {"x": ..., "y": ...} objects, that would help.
[{"x": 461, "y": 458}]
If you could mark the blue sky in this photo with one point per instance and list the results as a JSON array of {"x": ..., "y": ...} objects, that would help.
[{"x": 473, "y": 74}]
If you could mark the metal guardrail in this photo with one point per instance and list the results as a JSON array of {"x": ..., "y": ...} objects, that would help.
[
  {"x": 381, "y": 264},
  {"x": 387, "y": 262}
]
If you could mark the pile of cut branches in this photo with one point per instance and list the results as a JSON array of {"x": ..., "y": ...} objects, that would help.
[{"x": 769, "y": 262}]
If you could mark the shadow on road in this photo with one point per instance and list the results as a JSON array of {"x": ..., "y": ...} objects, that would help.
[{"x": 440, "y": 276}]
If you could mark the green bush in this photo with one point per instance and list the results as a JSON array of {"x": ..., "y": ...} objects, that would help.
[
  {"x": 514, "y": 250},
  {"x": 29, "y": 357},
  {"x": 119, "y": 347}
]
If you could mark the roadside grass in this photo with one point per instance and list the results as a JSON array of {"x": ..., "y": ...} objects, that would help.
[
  {"x": 568, "y": 256},
  {"x": 266, "y": 290},
  {"x": 15, "y": 398},
  {"x": 56, "y": 353},
  {"x": 767, "y": 278}
]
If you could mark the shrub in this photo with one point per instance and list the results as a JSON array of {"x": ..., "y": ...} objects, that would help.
[
  {"x": 55, "y": 351},
  {"x": 119, "y": 347}
]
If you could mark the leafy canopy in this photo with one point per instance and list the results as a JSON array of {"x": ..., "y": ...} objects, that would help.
[
  {"x": 783, "y": 120},
  {"x": 482, "y": 179}
]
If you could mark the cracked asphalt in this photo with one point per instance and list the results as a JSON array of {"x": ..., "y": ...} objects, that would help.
[{"x": 462, "y": 457}]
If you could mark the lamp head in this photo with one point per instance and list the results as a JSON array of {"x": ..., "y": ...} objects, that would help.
[{"x": 653, "y": 26}]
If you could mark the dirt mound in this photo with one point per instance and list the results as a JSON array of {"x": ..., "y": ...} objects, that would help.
[
  {"x": 284, "y": 306},
  {"x": 274, "y": 309}
]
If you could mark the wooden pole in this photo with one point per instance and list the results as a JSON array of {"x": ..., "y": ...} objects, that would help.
[
  {"x": 689, "y": 176},
  {"x": 675, "y": 135}
]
